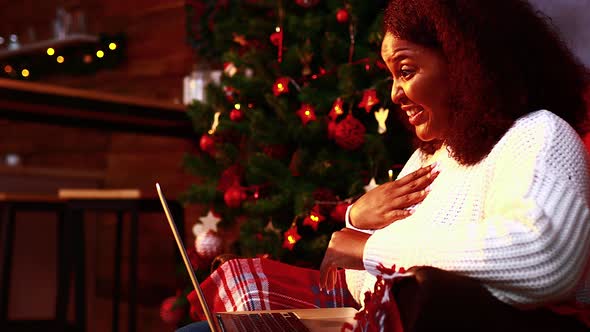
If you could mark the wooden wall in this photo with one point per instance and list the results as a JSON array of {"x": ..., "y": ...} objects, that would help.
[{"x": 157, "y": 59}]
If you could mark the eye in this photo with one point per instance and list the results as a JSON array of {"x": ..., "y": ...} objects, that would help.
[{"x": 406, "y": 72}]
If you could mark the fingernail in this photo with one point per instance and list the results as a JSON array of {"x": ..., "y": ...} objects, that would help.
[
  {"x": 435, "y": 168},
  {"x": 412, "y": 210},
  {"x": 428, "y": 189}
]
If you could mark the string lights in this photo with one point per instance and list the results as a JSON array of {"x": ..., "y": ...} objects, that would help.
[{"x": 74, "y": 57}]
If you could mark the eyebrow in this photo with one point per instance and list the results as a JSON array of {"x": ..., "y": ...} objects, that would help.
[{"x": 396, "y": 56}]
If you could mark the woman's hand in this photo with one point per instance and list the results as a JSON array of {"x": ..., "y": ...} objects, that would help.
[
  {"x": 345, "y": 250},
  {"x": 389, "y": 202}
]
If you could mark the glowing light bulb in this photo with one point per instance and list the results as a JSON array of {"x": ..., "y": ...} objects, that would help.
[
  {"x": 237, "y": 106},
  {"x": 60, "y": 59},
  {"x": 25, "y": 72},
  {"x": 8, "y": 69},
  {"x": 99, "y": 53},
  {"x": 50, "y": 51},
  {"x": 112, "y": 46}
]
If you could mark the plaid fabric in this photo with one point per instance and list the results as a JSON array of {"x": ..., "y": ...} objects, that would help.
[{"x": 263, "y": 284}]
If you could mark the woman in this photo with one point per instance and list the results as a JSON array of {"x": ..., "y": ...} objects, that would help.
[
  {"x": 491, "y": 214},
  {"x": 492, "y": 94}
]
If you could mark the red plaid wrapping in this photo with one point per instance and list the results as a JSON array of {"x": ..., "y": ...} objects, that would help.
[{"x": 263, "y": 284}]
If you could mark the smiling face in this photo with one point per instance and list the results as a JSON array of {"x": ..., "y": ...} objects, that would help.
[{"x": 420, "y": 85}]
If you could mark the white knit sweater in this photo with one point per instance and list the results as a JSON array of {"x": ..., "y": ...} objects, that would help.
[{"x": 518, "y": 221}]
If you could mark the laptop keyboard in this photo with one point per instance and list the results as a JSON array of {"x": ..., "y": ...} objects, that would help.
[{"x": 269, "y": 322}]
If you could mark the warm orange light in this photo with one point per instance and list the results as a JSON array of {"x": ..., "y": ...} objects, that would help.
[
  {"x": 60, "y": 59},
  {"x": 50, "y": 51},
  {"x": 314, "y": 218},
  {"x": 307, "y": 113},
  {"x": 99, "y": 53},
  {"x": 280, "y": 87},
  {"x": 87, "y": 58},
  {"x": 8, "y": 69},
  {"x": 291, "y": 239},
  {"x": 25, "y": 72}
]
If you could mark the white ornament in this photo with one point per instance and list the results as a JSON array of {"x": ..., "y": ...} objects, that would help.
[
  {"x": 209, "y": 245},
  {"x": 372, "y": 185},
  {"x": 381, "y": 117},
  {"x": 210, "y": 222},
  {"x": 270, "y": 228},
  {"x": 230, "y": 69},
  {"x": 215, "y": 123},
  {"x": 198, "y": 229}
]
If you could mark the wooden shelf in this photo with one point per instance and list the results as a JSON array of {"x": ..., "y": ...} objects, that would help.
[
  {"x": 43, "y": 103},
  {"x": 41, "y": 46}
]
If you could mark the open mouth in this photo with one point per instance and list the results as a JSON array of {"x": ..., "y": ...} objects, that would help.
[{"x": 415, "y": 115}]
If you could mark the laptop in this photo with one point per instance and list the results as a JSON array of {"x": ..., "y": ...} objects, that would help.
[{"x": 312, "y": 320}]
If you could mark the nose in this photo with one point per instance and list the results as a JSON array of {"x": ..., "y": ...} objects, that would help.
[{"x": 397, "y": 93}]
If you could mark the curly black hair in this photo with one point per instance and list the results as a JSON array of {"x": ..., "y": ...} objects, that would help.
[{"x": 505, "y": 60}]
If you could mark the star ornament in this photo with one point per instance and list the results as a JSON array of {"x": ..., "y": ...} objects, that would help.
[
  {"x": 337, "y": 109},
  {"x": 280, "y": 86},
  {"x": 290, "y": 238},
  {"x": 372, "y": 185},
  {"x": 306, "y": 113},
  {"x": 209, "y": 222},
  {"x": 369, "y": 99},
  {"x": 314, "y": 218}
]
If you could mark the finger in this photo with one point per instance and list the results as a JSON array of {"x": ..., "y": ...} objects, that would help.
[
  {"x": 419, "y": 184},
  {"x": 423, "y": 171},
  {"x": 399, "y": 215}
]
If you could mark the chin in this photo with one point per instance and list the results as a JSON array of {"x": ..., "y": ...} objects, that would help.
[{"x": 425, "y": 137}]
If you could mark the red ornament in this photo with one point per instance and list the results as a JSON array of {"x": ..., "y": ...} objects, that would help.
[
  {"x": 230, "y": 177},
  {"x": 209, "y": 245},
  {"x": 332, "y": 125},
  {"x": 342, "y": 15},
  {"x": 306, "y": 113},
  {"x": 170, "y": 312},
  {"x": 290, "y": 238},
  {"x": 236, "y": 115},
  {"x": 350, "y": 133},
  {"x": 234, "y": 196},
  {"x": 207, "y": 144},
  {"x": 337, "y": 109},
  {"x": 369, "y": 99},
  {"x": 314, "y": 218},
  {"x": 276, "y": 38},
  {"x": 280, "y": 86},
  {"x": 339, "y": 212}
]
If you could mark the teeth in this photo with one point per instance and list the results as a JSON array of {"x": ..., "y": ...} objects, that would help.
[{"x": 411, "y": 113}]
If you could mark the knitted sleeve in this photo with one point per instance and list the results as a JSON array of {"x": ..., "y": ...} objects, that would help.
[{"x": 531, "y": 246}]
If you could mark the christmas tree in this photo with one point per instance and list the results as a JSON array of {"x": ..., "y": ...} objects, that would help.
[{"x": 299, "y": 125}]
